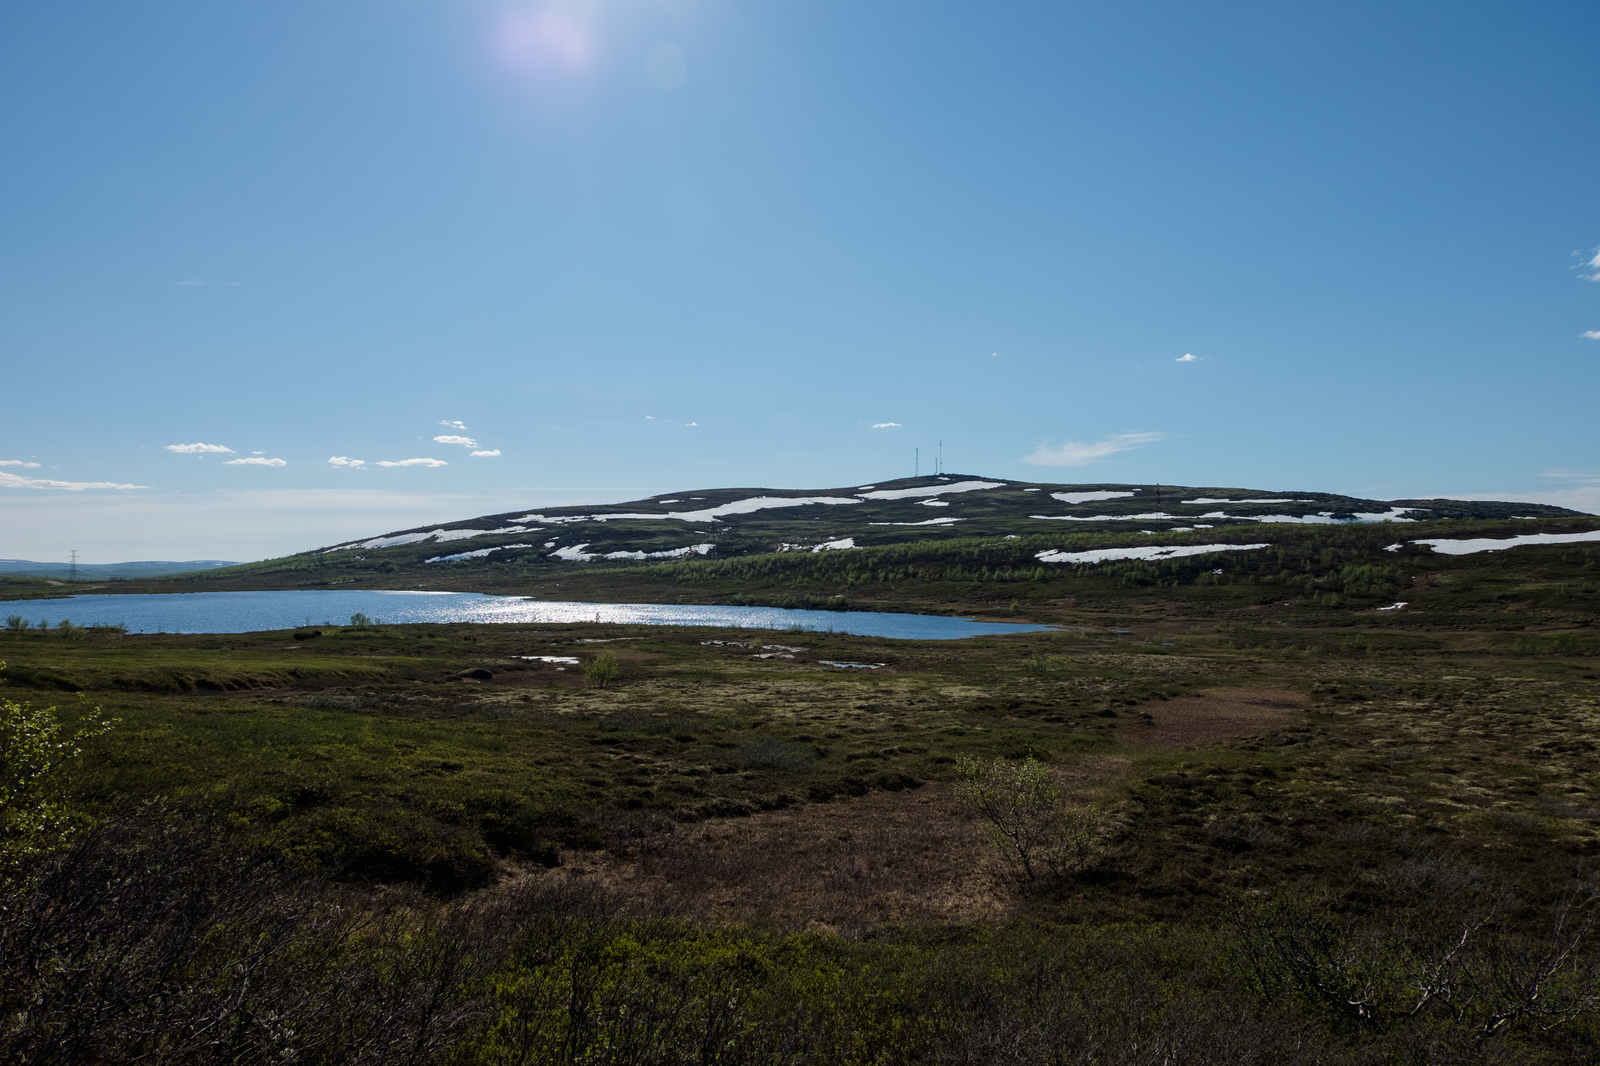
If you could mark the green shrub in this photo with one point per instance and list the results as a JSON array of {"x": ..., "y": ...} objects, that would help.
[
  {"x": 601, "y": 670},
  {"x": 1027, "y": 819},
  {"x": 33, "y": 753}
]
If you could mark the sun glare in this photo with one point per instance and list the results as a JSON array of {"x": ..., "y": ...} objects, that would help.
[{"x": 548, "y": 38}]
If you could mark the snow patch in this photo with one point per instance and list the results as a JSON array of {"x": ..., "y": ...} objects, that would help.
[
  {"x": 673, "y": 553},
  {"x": 945, "y": 520},
  {"x": 836, "y": 545},
  {"x": 1105, "y": 555},
  {"x": 465, "y": 534},
  {"x": 1086, "y": 497},
  {"x": 708, "y": 514},
  {"x": 574, "y": 553},
  {"x": 1204, "y": 500},
  {"x": 1154, "y": 516},
  {"x": 1445, "y": 546},
  {"x": 479, "y": 554},
  {"x": 932, "y": 490}
]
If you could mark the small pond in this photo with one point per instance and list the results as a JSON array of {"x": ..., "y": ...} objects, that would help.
[{"x": 250, "y": 612}]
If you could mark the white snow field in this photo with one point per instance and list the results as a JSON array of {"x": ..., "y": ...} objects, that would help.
[
  {"x": 574, "y": 553},
  {"x": 932, "y": 490},
  {"x": 1204, "y": 500},
  {"x": 1322, "y": 518},
  {"x": 1446, "y": 546},
  {"x": 1106, "y": 555},
  {"x": 1086, "y": 497},
  {"x": 945, "y": 520},
  {"x": 1154, "y": 516},
  {"x": 479, "y": 554},
  {"x": 440, "y": 535},
  {"x": 708, "y": 514},
  {"x": 844, "y": 544}
]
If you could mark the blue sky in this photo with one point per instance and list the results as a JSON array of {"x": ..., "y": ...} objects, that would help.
[{"x": 641, "y": 246}]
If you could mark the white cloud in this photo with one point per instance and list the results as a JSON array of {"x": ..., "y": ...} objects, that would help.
[
  {"x": 1075, "y": 453},
  {"x": 18, "y": 462},
  {"x": 414, "y": 462},
  {"x": 16, "y": 481},
  {"x": 345, "y": 460},
  {"x": 488, "y": 452},
  {"x": 1592, "y": 334},
  {"x": 465, "y": 442},
  {"x": 1187, "y": 357},
  {"x": 885, "y": 425},
  {"x": 1594, "y": 264},
  {"x": 457, "y": 425},
  {"x": 994, "y": 355},
  {"x": 198, "y": 449},
  {"x": 255, "y": 461},
  {"x": 191, "y": 281},
  {"x": 251, "y": 523}
]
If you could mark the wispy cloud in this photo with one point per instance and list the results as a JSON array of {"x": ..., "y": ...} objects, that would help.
[
  {"x": 17, "y": 462},
  {"x": 1592, "y": 334},
  {"x": 16, "y": 481},
  {"x": 1076, "y": 453},
  {"x": 994, "y": 355},
  {"x": 465, "y": 442},
  {"x": 413, "y": 462},
  {"x": 255, "y": 460},
  {"x": 1594, "y": 265},
  {"x": 198, "y": 449},
  {"x": 1187, "y": 357},
  {"x": 490, "y": 452},
  {"x": 455, "y": 425},
  {"x": 196, "y": 283},
  {"x": 885, "y": 425},
  {"x": 345, "y": 460}
]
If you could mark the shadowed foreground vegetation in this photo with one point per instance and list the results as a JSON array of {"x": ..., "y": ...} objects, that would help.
[{"x": 1320, "y": 833}]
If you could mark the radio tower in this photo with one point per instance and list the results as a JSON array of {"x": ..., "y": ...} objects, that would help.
[
  {"x": 916, "y": 462},
  {"x": 73, "y": 575}
]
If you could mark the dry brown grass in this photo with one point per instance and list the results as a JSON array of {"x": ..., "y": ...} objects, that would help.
[
  {"x": 886, "y": 857},
  {"x": 917, "y": 856},
  {"x": 1213, "y": 718}
]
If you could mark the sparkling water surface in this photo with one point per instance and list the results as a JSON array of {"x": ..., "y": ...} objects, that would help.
[{"x": 249, "y": 612}]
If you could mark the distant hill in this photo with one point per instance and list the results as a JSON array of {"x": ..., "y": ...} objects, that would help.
[
  {"x": 99, "y": 571},
  {"x": 729, "y": 522}
]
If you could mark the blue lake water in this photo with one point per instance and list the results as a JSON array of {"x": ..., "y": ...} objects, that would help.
[{"x": 250, "y": 612}]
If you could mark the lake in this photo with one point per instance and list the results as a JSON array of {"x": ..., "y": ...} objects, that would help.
[{"x": 250, "y": 612}]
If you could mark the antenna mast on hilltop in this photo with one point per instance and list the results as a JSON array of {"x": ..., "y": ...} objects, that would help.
[
  {"x": 941, "y": 458},
  {"x": 916, "y": 462},
  {"x": 73, "y": 575}
]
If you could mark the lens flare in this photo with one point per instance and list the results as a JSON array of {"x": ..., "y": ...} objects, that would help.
[{"x": 550, "y": 38}]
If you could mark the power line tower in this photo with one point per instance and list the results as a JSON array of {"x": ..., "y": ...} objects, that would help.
[
  {"x": 916, "y": 462},
  {"x": 73, "y": 575}
]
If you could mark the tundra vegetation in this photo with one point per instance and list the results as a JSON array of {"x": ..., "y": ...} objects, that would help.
[{"x": 1244, "y": 817}]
